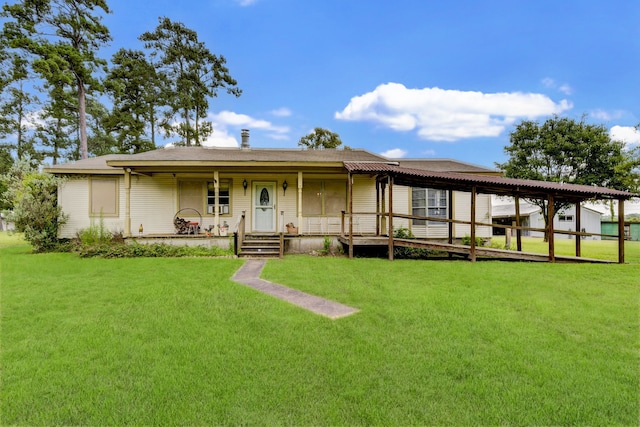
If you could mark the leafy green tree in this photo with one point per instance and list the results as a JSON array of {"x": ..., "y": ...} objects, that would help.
[
  {"x": 569, "y": 151},
  {"x": 6, "y": 162},
  {"x": 194, "y": 75},
  {"x": 136, "y": 90},
  {"x": 320, "y": 139},
  {"x": 100, "y": 141},
  {"x": 62, "y": 38},
  {"x": 16, "y": 104},
  {"x": 33, "y": 196}
]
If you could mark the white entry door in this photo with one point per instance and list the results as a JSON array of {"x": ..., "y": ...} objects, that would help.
[{"x": 264, "y": 207}]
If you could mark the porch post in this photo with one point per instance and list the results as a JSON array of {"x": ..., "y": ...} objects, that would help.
[
  {"x": 578, "y": 228},
  {"x": 550, "y": 230},
  {"x": 450, "y": 218},
  {"x": 216, "y": 200},
  {"x": 472, "y": 255},
  {"x": 390, "y": 178},
  {"x": 620, "y": 231},
  {"x": 127, "y": 202},
  {"x": 518, "y": 224},
  {"x": 383, "y": 209},
  {"x": 377, "y": 207},
  {"x": 299, "y": 209},
  {"x": 350, "y": 184}
]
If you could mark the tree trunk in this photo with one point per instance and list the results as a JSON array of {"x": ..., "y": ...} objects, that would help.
[{"x": 82, "y": 119}]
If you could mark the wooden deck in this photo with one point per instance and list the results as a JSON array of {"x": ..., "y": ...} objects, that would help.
[{"x": 480, "y": 252}]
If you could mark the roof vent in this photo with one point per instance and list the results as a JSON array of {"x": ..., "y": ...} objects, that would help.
[{"x": 244, "y": 133}]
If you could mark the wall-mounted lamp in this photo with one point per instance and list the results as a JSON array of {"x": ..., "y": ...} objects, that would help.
[
  {"x": 245, "y": 184},
  {"x": 284, "y": 187}
]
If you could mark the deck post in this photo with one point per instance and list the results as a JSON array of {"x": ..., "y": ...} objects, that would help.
[
  {"x": 383, "y": 209},
  {"x": 518, "y": 230},
  {"x": 620, "y": 231},
  {"x": 378, "y": 217},
  {"x": 578, "y": 228},
  {"x": 450, "y": 225},
  {"x": 299, "y": 212},
  {"x": 350, "y": 178},
  {"x": 390, "y": 179},
  {"x": 472, "y": 254},
  {"x": 550, "y": 230}
]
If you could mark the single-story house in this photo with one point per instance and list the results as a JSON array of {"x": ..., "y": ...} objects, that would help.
[
  {"x": 199, "y": 190},
  {"x": 531, "y": 217}
]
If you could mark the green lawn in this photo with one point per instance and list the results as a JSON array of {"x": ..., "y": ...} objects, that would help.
[{"x": 175, "y": 342}]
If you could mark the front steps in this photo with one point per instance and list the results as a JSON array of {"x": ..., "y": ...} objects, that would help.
[{"x": 260, "y": 246}]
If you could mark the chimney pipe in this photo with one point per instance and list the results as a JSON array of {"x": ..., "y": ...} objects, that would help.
[{"x": 245, "y": 138}]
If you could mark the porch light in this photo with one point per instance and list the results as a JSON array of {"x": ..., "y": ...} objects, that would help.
[
  {"x": 284, "y": 187},
  {"x": 245, "y": 184}
]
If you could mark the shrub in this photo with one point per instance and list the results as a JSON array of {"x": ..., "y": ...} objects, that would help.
[
  {"x": 408, "y": 253},
  {"x": 36, "y": 213},
  {"x": 155, "y": 250},
  {"x": 466, "y": 240}
]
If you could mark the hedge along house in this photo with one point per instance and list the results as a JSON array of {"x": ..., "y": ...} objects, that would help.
[{"x": 252, "y": 191}]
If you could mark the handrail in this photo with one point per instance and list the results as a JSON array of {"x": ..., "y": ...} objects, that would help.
[{"x": 238, "y": 232}]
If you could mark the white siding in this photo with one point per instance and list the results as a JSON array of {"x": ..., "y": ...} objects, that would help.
[{"x": 73, "y": 198}]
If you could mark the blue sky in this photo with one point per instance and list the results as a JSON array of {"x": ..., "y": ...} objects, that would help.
[{"x": 408, "y": 78}]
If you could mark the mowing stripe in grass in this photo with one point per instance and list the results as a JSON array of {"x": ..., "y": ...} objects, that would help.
[{"x": 249, "y": 274}]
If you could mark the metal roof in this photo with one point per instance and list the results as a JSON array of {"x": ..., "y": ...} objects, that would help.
[{"x": 486, "y": 183}]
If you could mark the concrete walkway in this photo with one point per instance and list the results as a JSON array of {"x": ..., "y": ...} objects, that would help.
[{"x": 249, "y": 274}]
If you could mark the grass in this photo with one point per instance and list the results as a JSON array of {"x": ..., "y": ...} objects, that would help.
[
  {"x": 598, "y": 249},
  {"x": 175, "y": 342}
]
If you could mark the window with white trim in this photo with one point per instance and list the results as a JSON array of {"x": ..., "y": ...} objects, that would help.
[
  {"x": 224, "y": 197},
  {"x": 429, "y": 202}
]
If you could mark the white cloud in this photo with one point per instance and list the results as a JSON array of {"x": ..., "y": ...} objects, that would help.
[
  {"x": 281, "y": 112},
  {"x": 227, "y": 125},
  {"x": 244, "y": 3},
  {"x": 607, "y": 115},
  {"x": 550, "y": 83},
  {"x": 627, "y": 134},
  {"x": 447, "y": 115},
  {"x": 395, "y": 153}
]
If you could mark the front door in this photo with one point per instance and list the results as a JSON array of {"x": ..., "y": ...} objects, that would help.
[{"x": 264, "y": 207}]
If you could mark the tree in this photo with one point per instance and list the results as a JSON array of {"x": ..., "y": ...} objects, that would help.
[
  {"x": 136, "y": 90},
  {"x": 320, "y": 139},
  {"x": 194, "y": 75},
  {"x": 33, "y": 196},
  {"x": 565, "y": 150},
  {"x": 62, "y": 37},
  {"x": 15, "y": 106}
]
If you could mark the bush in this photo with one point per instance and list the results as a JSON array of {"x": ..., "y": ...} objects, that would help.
[
  {"x": 408, "y": 253},
  {"x": 155, "y": 250},
  {"x": 466, "y": 240},
  {"x": 36, "y": 212}
]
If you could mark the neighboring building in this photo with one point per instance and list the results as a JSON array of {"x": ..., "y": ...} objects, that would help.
[
  {"x": 531, "y": 216},
  {"x": 631, "y": 230},
  {"x": 271, "y": 187}
]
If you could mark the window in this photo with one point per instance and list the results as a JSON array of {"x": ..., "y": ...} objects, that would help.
[
  {"x": 104, "y": 196},
  {"x": 324, "y": 197},
  {"x": 193, "y": 194},
  {"x": 224, "y": 197},
  {"x": 429, "y": 202},
  {"x": 565, "y": 218}
]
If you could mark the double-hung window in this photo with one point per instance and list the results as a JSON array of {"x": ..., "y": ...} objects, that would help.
[
  {"x": 224, "y": 197},
  {"x": 429, "y": 202}
]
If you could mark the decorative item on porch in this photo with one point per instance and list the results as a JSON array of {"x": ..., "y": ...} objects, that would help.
[
  {"x": 291, "y": 229},
  {"x": 224, "y": 229},
  {"x": 184, "y": 225}
]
